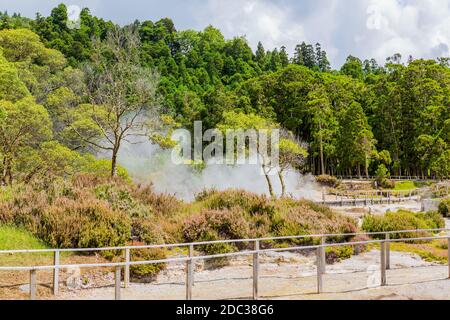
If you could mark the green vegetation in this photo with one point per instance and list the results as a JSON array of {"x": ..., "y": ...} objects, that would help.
[
  {"x": 431, "y": 251},
  {"x": 403, "y": 220},
  {"x": 352, "y": 120},
  {"x": 444, "y": 207},
  {"x": 13, "y": 238},
  {"x": 328, "y": 181},
  {"x": 406, "y": 185}
]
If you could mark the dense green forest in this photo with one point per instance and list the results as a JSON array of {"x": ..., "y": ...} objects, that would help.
[{"x": 67, "y": 92}]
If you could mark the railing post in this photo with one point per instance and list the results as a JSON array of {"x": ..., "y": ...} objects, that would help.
[
  {"x": 117, "y": 283},
  {"x": 323, "y": 262},
  {"x": 383, "y": 263},
  {"x": 56, "y": 273},
  {"x": 189, "y": 273},
  {"x": 256, "y": 271},
  {"x": 388, "y": 252},
  {"x": 448, "y": 257},
  {"x": 319, "y": 273},
  {"x": 33, "y": 284},
  {"x": 126, "y": 278}
]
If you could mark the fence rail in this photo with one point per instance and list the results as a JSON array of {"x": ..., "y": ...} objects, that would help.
[
  {"x": 372, "y": 197},
  {"x": 396, "y": 178},
  {"x": 190, "y": 258}
]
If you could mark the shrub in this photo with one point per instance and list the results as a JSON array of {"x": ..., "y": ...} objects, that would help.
[
  {"x": 149, "y": 231},
  {"x": 444, "y": 207},
  {"x": 163, "y": 204},
  {"x": 360, "y": 248},
  {"x": 382, "y": 178},
  {"x": 388, "y": 184},
  {"x": 403, "y": 220},
  {"x": 249, "y": 202},
  {"x": 66, "y": 221},
  {"x": 215, "y": 225},
  {"x": 328, "y": 181},
  {"x": 336, "y": 254},
  {"x": 304, "y": 217},
  {"x": 147, "y": 272}
]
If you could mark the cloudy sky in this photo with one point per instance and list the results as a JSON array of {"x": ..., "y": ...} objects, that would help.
[{"x": 365, "y": 28}]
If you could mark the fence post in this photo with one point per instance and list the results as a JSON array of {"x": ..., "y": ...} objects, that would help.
[
  {"x": 323, "y": 264},
  {"x": 33, "y": 284},
  {"x": 383, "y": 263},
  {"x": 256, "y": 271},
  {"x": 189, "y": 273},
  {"x": 448, "y": 257},
  {"x": 319, "y": 273},
  {"x": 56, "y": 273},
  {"x": 126, "y": 277},
  {"x": 117, "y": 283},
  {"x": 388, "y": 251}
]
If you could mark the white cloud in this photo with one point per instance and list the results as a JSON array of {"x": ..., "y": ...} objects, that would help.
[
  {"x": 417, "y": 28},
  {"x": 264, "y": 21}
]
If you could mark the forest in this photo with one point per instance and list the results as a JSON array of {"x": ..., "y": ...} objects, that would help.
[{"x": 67, "y": 93}]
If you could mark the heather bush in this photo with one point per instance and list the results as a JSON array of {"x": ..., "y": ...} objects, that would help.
[
  {"x": 403, "y": 220},
  {"x": 163, "y": 204},
  {"x": 66, "y": 219},
  {"x": 216, "y": 225},
  {"x": 444, "y": 207},
  {"x": 150, "y": 231},
  {"x": 336, "y": 254},
  {"x": 249, "y": 202},
  {"x": 147, "y": 272},
  {"x": 328, "y": 181},
  {"x": 300, "y": 217}
]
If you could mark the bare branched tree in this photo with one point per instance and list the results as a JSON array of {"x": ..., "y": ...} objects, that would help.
[{"x": 123, "y": 94}]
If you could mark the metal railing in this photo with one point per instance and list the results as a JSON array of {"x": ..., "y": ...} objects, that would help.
[
  {"x": 395, "y": 178},
  {"x": 372, "y": 197},
  {"x": 191, "y": 257}
]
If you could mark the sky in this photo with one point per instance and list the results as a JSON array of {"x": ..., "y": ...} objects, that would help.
[{"x": 363, "y": 28}]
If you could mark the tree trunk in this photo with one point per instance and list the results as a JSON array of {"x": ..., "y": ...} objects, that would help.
[
  {"x": 269, "y": 183},
  {"x": 367, "y": 167},
  {"x": 322, "y": 164},
  {"x": 114, "y": 162},
  {"x": 283, "y": 185}
]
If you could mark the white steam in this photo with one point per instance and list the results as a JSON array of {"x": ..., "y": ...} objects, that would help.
[{"x": 148, "y": 163}]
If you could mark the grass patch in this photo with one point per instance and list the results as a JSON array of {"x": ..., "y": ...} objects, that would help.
[
  {"x": 431, "y": 251},
  {"x": 13, "y": 238},
  {"x": 406, "y": 185}
]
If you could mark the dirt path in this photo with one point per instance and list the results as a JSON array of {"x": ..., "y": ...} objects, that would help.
[{"x": 291, "y": 276}]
